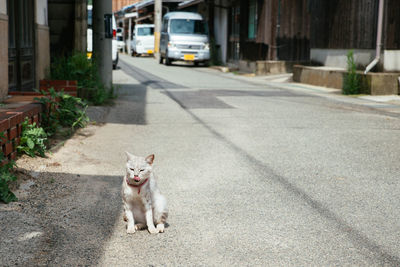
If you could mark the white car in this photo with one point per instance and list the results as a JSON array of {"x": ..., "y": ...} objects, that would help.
[{"x": 143, "y": 40}]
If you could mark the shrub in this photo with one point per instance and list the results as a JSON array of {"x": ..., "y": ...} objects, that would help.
[
  {"x": 33, "y": 139},
  {"x": 63, "y": 110},
  {"x": 6, "y": 176},
  {"x": 351, "y": 83},
  {"x": 79, "y": 67}
]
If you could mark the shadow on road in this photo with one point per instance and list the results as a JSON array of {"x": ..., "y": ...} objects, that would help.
[
  {"x": 148, "y": 79},
  {"x": 130, "y": 107},
  {"x": 67, "y": 219}
]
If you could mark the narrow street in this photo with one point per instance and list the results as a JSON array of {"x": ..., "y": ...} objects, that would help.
[{"x": 255, "y": 174}]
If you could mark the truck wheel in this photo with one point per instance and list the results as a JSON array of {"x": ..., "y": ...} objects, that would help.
[
  {"x": 160, "y": 60},
  {"x": 167, "y": 60}
]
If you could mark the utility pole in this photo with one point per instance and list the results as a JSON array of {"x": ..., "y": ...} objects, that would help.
[
  {"x": 157, "y": 27},
  {"x": 102, "y": 46}
]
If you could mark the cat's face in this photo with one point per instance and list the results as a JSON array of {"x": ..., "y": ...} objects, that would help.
[{"x": 138, "y": 169}]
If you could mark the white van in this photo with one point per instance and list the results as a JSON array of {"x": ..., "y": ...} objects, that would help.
[
  {"x": 142, "y": 40},
  {"x": 114, "y": 46},
  {"x": 184, "y": 36},
  {"x": 120, "y": 39}
]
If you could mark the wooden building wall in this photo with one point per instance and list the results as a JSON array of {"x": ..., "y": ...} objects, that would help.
[
  {"x": 343, "y": 24},
  {"x": 391, "y": 27},
  {"x": 284, "y": 26},
  {"x": 293, "y": 39},
  {"x": 351, "y": 24},
  {"x": 249, "y": 49}
]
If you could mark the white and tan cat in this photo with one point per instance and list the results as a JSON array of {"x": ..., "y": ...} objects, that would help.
[{"x": 144, "y": 204}]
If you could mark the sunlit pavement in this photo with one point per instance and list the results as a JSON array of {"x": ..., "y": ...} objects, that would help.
[{"x": 256, "y": 173}]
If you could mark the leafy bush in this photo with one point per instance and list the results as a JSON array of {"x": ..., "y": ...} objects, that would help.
[
  {"x": 351, "y": 83},
  {"x": 6, "y": 176},
  {"x": 79, "y": 67},
  {"x": 33, "y": 139},
  {"x": 63, "y": 110}
]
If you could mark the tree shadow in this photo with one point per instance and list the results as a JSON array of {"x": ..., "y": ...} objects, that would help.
[{"x": 63, "y": 219}]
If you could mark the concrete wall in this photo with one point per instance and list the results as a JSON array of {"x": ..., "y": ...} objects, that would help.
[
  {"x": 338, "y": 57},
  {"x": 42, "y": 52},
  {"x": 42, "y": 41},
  {"x": 3, "y": 50},
  {"x": 3, "y": 7},
  {"x": 221, "y": 29},
  {"x": 391, "y": 60},
  {"x": 41, "y": 12},
  {"x": 370, "y": 83}
]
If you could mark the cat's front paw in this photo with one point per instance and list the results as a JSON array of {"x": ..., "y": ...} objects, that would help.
[
  {"x": 153, "y": 230},
  {"x": 160, "y": 228},
  {"x": 130, "y": 230}
]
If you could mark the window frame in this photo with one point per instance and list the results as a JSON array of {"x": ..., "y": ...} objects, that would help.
[{"x": 252, "y": 21}]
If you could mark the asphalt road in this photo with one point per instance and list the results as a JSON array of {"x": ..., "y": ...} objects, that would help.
[{"x": 255, "y": 174}]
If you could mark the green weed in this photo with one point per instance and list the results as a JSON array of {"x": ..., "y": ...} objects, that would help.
[
  {"x": 79, "y": 67},
  {"x": 63, "y": 110},
  {"x": 351, "y": 83},
  {"x": 6, "y": 176},
  {"x": 33, "y": 140}
]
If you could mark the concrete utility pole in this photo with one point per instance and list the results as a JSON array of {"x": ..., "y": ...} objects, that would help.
[
  {"x": 157, "y": 27},
  {"x": 102, "y": 47},
  {"x": 129, "y": 36}
]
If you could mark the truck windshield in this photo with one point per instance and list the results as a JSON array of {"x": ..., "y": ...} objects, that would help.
[
  {"x": 188, "y": 26},
  {"x": 145, "y": 31}
]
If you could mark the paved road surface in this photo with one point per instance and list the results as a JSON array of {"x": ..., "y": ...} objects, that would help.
[{"x": 255, "y": 174}]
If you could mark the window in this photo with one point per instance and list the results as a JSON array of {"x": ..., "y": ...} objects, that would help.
[
  {"x": 252, "y": 30},
  {"x": 165, "y": 26},
  {"x": 90, "y": 18},
  {"x": 188, "y": 26},
  {"x": 145, "y": 31}
]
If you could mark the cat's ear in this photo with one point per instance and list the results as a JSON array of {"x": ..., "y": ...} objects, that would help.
[
  {"x": 150, "y": 159},
  {"x": 129, "y": 156}
]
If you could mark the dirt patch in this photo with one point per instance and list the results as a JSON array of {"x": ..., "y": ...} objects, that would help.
[{"x": 53, "y": 217}]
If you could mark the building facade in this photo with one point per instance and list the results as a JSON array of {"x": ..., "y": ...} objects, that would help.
[
  {"x": 24, "y": 49},
  {"x": 119, "y": 4},
  {"x": 34, "y": 31},
  {"x": 339, "y": 26}
]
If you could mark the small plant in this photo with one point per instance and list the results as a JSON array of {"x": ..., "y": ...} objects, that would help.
[
  {"x": 6, "y": 176},
  {"x": 63, "y": 110},
  {"x": 79, "y": 67},
  {"x": 33, "y": 140},
  {"x": 351, "y": 83}
]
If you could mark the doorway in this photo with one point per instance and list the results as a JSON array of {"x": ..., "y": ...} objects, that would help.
[
  {"x": 234, "y": 32},
  {"x": 21, "y": 50}
]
